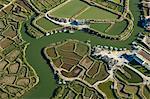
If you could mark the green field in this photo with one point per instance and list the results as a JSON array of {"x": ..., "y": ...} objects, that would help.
[
  {"x": 134, "y": 76},
  {"x": 70, "y": 9},
  {"x": 106, "y": 88},
  {"x": 77, "y": 87},
  {"x": 118, "y": 27},
  {"x": 117, "y": 1},
  {"x": 46, "y": 24},
  {"x": 45, "y": 5},
  {"x": 81, "y": 49},
  {"x": 100, "y": 26},
  {"x": 75, "y": 90},
  {"x": 129, "y": 76},
  {"x": 97, "y": 13},
  {"x": 142, "y": 69},
  {"x": 101, "y": 75},
  {"x": 76, "y": 6},
  {"x": 146, "y": 91}
]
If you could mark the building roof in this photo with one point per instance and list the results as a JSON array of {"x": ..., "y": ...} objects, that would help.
[
  {"x": 77, "y": 22},
  {"x": 134, "y": 58},
  {"x": 146, "y": 41},
  {"x": 146, "y": 23},
  {"x": 144, "y": 54}
]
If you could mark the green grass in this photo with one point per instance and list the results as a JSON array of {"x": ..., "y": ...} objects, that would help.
[
  {"x": 71, "y": 94},
  {"x": 118, "y": 27},
  {"x": 97, "y": 13},
  {"x": 88, "y": 92},
  {"x": 77, "y": 87},
  {"x": 38, "y": 5},
  {"x": 34, "y": 31},
  {"x": 101, "y": 27},
  {"x": 116, "y": 1},
  {"x": 132, "y": 90},
  {"x": 106, "y": 88},
  {"x": 142, "y": 69},
  {"x": 146, "y": 91},
  {"x": 134, "y": 77},
  {"x": 69, "y": 9},
  {"x": 81, "y": 49},
  {"x": 46, "y": 24}
]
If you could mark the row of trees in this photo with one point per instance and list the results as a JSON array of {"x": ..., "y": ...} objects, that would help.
[{"x": 99, "y": 34}]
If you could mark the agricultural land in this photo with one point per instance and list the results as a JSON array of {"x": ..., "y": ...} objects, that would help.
[{"x": 74, "y": 49}]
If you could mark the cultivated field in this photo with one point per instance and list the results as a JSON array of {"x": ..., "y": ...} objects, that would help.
[
  {"x": 118, "y": 28},
  {"x": 131, "y": 91},
  {"x": 106, "y": 87},
  {"x": 71, "y": 63},
  {"x": 66, "y": 57},
  {"x": 70, "y": 9},
  {"x": 101, "y": 27},
  {"x": 10, "y": 32},
  {"x": 34, "y": 32},
  {"x": 99, "y": 76},
  {"x": 46, "y": 24},
  {"x": 16, "y": 73},
  {"x": 46, "y": 5},
  {"x": 76, "y": 90},
  {"x": 97, "y": 13},
  {"x": 146, "y": 91},
  {"x": 129, "y": 76},
  {"x": 81, "y": 10}
]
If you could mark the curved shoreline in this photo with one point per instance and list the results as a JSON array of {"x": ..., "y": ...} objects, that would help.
[{"x": 54, "y": 38}]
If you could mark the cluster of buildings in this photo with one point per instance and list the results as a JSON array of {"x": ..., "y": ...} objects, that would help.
[
  {"x": 146, "y": 41},
  {"x": 137, "y": 56},
  {"x": 146, "y": 23},
  {"x": 146, "y": 11},
  {"x": 111, "y": 57}
]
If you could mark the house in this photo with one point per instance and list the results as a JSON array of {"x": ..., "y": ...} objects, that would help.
[
  {"x": 146, "y": 23},
  {"x": 144, "y": 54},
  {"x": 146, "y": 20},
  {"x": 75, "y": 22},
  {"x": 146, "y": 41},
  {"x": 133, "y": 59}
]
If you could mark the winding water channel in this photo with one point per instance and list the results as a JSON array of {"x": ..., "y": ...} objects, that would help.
[{"x": 34, "y": 57}]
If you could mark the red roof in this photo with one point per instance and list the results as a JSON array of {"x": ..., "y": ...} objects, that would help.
[{"x": 144, "y": 54}]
